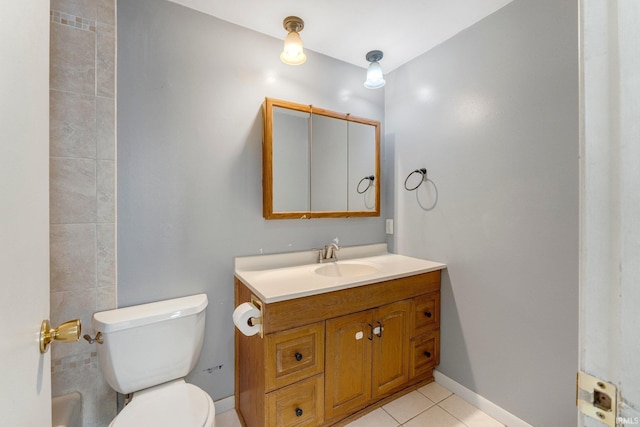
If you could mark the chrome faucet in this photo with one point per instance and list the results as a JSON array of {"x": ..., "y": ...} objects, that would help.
[{"x": 328, "y": 254}]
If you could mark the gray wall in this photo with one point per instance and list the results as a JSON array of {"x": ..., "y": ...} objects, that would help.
[
  {"x": 493, "y": 115},
  {"x": 190, "y": 90}
]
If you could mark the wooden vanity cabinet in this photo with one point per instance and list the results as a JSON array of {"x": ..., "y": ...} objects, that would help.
[{"x": 325, "y": 357}]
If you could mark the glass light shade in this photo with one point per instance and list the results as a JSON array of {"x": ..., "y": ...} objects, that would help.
[
  {"x": 293, "y": 53},
  {"x": 375, "y": 78}
]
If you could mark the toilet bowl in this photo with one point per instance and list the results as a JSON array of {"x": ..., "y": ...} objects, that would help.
[
  {"x": 172, "y": 404},
  {"x": 147, "y": 350}
]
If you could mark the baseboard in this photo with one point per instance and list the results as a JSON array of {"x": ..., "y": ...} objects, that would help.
[
  {"x": 485, "y": 405},
  {"x": 226, "y": 404}
]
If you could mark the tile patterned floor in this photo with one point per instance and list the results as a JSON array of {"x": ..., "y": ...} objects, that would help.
[{"x": 429, "y": 406}]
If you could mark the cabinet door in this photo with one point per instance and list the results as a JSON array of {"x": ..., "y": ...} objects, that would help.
[
  {"x": 425, "y": 353},
  {"x": 347, "y": 363},
  {"x": 426, "y": 313},
  {"x": 297, "y": 405},
  {"x": 391, "y": 347},
  {"x": 293, "y": 354}
]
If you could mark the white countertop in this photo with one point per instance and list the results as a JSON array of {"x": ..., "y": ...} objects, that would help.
[{"x": 281, "y": 277}]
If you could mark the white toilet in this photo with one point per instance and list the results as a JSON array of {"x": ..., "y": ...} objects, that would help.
[{"x": 147, "y": 350}]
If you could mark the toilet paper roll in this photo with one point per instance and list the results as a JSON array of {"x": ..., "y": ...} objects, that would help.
[{"x": 241, "y": 316}]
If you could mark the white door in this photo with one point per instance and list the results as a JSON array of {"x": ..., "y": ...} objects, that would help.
[
  {"x": 25, "y": 379},
  {"x": 610, "y": 196}
]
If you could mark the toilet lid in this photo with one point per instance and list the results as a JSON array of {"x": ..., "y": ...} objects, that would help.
[{"x": 177, "y": 404}]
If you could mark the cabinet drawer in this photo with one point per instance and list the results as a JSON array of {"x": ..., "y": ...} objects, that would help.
[
  {"x": 293, "y": 355},
  {"x": 426, "y": 313},
  {"x": 300, "y": 404},
  {"x": 425, "y": 353}
]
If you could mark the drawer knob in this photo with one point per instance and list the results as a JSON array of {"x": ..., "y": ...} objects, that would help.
[
  {"x": 427, "y": 353},
  {"x": 427, "y": 313},
  {"x": 298, "y": 357},
  {"x": 298, "y": 412}
]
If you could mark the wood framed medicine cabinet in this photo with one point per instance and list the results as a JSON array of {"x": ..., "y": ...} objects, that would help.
[{"x": 318, "y": 163}]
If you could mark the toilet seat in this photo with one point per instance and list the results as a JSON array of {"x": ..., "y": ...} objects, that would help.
[{"x": 176, "y": 403}]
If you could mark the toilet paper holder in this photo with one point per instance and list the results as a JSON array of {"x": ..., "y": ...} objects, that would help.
[{"x": 253, "y": 321}]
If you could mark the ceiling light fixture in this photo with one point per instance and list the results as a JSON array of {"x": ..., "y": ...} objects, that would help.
[
  {"x": 293, "y": 53},
  {"x": 375, "y": 79}
]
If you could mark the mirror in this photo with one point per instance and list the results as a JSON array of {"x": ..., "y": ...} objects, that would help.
[{"x": 318, "y": 163}]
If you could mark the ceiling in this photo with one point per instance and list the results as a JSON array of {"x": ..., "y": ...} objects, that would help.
[{"x": 348, "y": 29}]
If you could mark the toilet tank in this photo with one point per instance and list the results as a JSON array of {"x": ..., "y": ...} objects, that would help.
[{"x": 150, "y": 344}]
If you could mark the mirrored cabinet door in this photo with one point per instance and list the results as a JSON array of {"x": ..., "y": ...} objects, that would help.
[
  {"x": 362, "y": 167},
  {"x": 329, "y": 147},
  {"x": 291, "y": 160}
]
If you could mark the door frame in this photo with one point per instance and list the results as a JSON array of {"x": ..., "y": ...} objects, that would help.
[{"x": 609, "y": 198}]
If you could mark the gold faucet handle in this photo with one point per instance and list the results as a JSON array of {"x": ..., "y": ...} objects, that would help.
[{"x": 67, "y": 332}]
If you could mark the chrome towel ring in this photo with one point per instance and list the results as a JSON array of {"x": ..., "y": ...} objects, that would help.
[
  {"x": 369, "y": 180},
  {"x": 423, "y": 178}
]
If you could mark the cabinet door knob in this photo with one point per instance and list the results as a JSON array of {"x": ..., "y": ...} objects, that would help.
[
  {"x": 370, "y": 332},
  {"x": 427, "y": 353},
  {"x": 427, "y": 313},
  {"x": 298, "y": 357},
  {"x": 298, "y": 412},
  {"x": 379, "y": 329}
]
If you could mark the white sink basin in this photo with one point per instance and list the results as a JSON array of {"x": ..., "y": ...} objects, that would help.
[
  {"x": 346, "y": 270},
  {"x": 280, "y": 277}
]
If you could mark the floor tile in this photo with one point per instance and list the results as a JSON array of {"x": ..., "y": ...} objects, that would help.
[
  {"x": 377, "y": 418},
  {"x": 228, "y": 419},
  {"x": 415, "y": 409},
  {"x": 467, "y": 413},
  {"x": 435, "y": 392},
  {"x": 435, "y": 417},
  {"x": 408, "y": 406}
]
